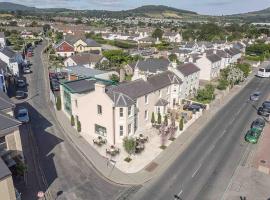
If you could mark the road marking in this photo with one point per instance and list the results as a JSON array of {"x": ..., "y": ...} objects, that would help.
[
  {"x": 180, "y": 192},
  {"x": 196, "y": 171}
]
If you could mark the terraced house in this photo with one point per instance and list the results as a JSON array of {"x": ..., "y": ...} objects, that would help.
[{"x": 115, "y": 111}]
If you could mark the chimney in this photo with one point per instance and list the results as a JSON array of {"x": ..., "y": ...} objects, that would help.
[{"x": 100, "y": 87}]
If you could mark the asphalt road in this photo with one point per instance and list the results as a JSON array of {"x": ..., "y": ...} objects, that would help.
[
  {"x": 62, "y": 170},
  {"x": 204, "y": 170}
]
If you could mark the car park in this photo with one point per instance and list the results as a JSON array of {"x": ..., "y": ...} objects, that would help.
[
  {"x": 255, "y": 96},
  {"x": 259, "y": 124},
  {"x": 22, "y": 115},
  {"x": 20, "y": 94},
  {"x": 21, "y": 83},
  {"x": 252, "y": 136}
]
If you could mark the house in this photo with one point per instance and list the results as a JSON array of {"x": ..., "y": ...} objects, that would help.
[
  {"x": 181, "y": 54},
  {"x": 2, "y": 40},
  {"x": 189, "y": 73},
  {"x": 115, "y": 111},
  {"x": 27, "y": 35},
  {"x": 64, "y": 49},
  {"x": 234, "y": 54},
  {"x": 84, "y": 59},
  {"x": 129, "y": 68},
  {"x": 172, "y": 37},
  {"x": 11, "y": 147},
  {"x": 150, "y": 66},
  {"x": 3, "y": 73},
  {"x": 147, "y": 40},
  {"x": 77, "y": 72},
  {"x": 12, "y": 59},
  {"x": 210, "y": 65},
  {"x": 87, "y": 45}
]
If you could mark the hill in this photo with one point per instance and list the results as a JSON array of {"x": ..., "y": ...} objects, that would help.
[
  {"x": 256, "y": 16},
  {"x": 7, "y": 6}
]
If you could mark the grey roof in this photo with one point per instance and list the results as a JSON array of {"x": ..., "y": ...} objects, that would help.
[
  {"x": 232, "y": 51},
  {"x": 188, "y": 68},
  {"x": 213, "y": 58},
  {"x": 153, "y": 65},
  {"x": 181, "y": 51},
  {"x": 83, "y": 71},
  {"x": 5, "y": 101},
  {"x": 85, "y": 58},
  {"x": 222, "y": 54},
  {"x": 3, "y": 66},
  {"x": 4, "y": 170},
  {"x": 162, "y": 102},
  {"x": 8, "y": 52},
  {"x": 125, "y": 94},
  {"x": 148, "y": 39},
  {"x": 2, "y": 35},
  {"x": 189, "y": 45},
  {"x": 92, "y": 43},
  {"x": 238, "y": 45},
  {"x": 7, "y": 123}
]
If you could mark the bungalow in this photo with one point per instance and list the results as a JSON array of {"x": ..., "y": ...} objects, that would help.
[
  {"x": 87, "y": 45},
  {"x": 64, "y": 49},
  {"x": 116, "y": 111},
  {"x": 84, "y": 59}
]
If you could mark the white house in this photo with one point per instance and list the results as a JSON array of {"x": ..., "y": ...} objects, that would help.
[
  {"x": 84, "y": 59},
  {"x": 172, "y": 37},
  {"x": 2, "y": 39},
  {"x": 12, "y": 59}
]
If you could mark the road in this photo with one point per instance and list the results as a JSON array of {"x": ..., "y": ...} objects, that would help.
[
  {"x": 59, "y": 167},
  {"x": 204, "y": 170}
]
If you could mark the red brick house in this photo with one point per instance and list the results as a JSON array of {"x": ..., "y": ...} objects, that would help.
[{"x": 64, "y": 49}]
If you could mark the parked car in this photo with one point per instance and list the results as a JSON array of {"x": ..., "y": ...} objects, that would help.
[
  {"x": 29, "y": 54},
  {"x": 26, "y": 70},
  {"x": 21, "y": 83},
  {"x": 202, "y": 106},
  {"x": 22, "y": 115},
  {"x": 53, "y": 75},
  {"x": 20, "y": 94},
  {"x": 255, "y": 96},
  {"x": 191, "y": 107},
  {"x": 61, "y": 75},
  {"x": 263, "y": 112},
  {"x": 266, "y": 104},
  {"x": 55, "y": 86},
  {"x": 252, "y": 136},
  {"x": 259, "y": 123}
]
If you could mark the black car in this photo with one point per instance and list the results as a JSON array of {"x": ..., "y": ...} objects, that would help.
[
  {"x": 192, "y": 107},
  {"x": 263, "y": 111},
  {"x": 266, "y": 104},
  {"x": 20, "y": 94},
  {"x": 55, "y": 86},
  {"x": 259, "y": 123}
]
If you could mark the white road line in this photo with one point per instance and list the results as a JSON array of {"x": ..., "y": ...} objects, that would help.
[
  {"x": 180, "y": 193},
  {"x": 196, "y": 171}
]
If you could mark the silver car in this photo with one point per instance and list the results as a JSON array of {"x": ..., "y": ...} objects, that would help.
[
  {"x": 22, "y": 115},
  {"x": 255, "y": 96}
]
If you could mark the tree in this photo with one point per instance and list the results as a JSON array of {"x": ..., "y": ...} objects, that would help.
[
  {"x": 46, "y": 28},
  {"x": 206, "y": 94},
  {"x": 129, "y": 145},
  {"x": 159, "y": 119},
  {"x": 245, "y": 68},
  {"x": 181, "y": 124},
  {"x": 72, "y": 121},
  {"x": 114, "y": 78},
  {"x": 158, "y": 33},
  {"x": 165, "y": 120},
  {"x": 153, "y": 120},
  {"x": 173, "y": 57},
  {"x": 58, "y": 103},
  {"x": 222, "y": 84}
]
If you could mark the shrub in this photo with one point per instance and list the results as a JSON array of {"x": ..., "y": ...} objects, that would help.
[
  {"x": 58, "y": 103},
  {"x": 129, "y": 145},
  {"x": 159, "y": 119},
  {"x": 223, "y": 84},
  {"x": 79, "y": 128},
  {"x": 72, "y": 121},
  {"x": 153, "y": 120},
  {"x": 165, "y": 120},
  {"x": 181, "y": 124}
]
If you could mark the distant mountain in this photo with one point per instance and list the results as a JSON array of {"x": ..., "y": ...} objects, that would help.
[
  {"x": 256, "y": 16},
  {"x": 155, "y": 11}
]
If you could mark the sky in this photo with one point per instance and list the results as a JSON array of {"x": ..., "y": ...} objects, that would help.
[{"x": 212, "y": 7}]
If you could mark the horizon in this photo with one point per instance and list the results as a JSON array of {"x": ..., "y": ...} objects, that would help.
[{"x": 208, "y": 7}]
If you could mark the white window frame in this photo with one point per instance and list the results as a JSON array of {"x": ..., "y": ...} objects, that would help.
[
  {"x": 129, "y": 111},
  {"x": 121, "y": 112},
  {"x": 99, "y": 109},
  {"x": 121, "y": 130}
]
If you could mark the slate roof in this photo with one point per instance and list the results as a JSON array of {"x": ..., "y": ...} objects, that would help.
[
  {"x": 232, "y": 51},
  {"x": 153, "y": 65},
  {"x": 83, "y": 71},
  {"x": 92, "y": 43},
  {"x": 2, "y": 35},
  {"x": 85, "y": 58},
  {"x": 5, "y": 101},
  {"x": 213, "y": 58},
  {"x": 148, "y": 39},
  {"x": 4, "y": 170},
  {"x": 8, "y": 52},
  {"x": 125, "y": 94},
  {"x": 162, "y": 102},
  {"x": 7, "y": 123},
  {"x": 181, "y": 51},
  {"x": 188, "y": 68}
]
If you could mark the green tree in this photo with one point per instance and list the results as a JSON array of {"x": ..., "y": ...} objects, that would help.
[
  {"x": 159, "y": 119},
  {"x": 206, "y": 94},
  {"x": 72, "y": 120},
  {"x": 173, "y": 57},
  {"x": 114, "y": 78},
  {"x": 129, "y": 145},
  {"x": 245, "y": 68},
  {"x": 58, "y": 103},
  {"x": 153, "y": 120},
  {"x": 181, "y": 124},
  {"x": 158, "y": 33},
  {"x": 222, "y": 84}
]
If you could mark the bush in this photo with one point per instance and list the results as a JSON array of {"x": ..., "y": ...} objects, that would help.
[
  {"x": 127, "y": 159},
  {"x": 181, "y": 124},
  {"x": 245, "y": 68},
  {"x": 72, "y": 121},
  {"x": 58, "y": 103},
  {"x": 79, "y": 128},
  {"x": 222, "y": 84},
  {"x": 129, "y": 145},
  {"x": 206, "y": 95}
]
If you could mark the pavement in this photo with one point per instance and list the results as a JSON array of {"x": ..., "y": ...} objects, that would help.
[{"x": 54, "y": 164}]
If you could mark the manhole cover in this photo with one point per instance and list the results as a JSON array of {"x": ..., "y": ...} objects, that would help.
[
  {"x": 263, "y": 161},
  {"x": 151, "y": 166}
]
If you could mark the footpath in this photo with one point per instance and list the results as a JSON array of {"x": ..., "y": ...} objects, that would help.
[{"x": 107, "y": 169}]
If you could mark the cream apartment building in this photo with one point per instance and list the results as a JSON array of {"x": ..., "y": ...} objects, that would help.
[{"x": 115, "y": 111}]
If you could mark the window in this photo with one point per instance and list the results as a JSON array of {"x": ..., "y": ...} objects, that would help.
[
  {"x": 146, "y": 115},
  {"x": 121, "y": 130},
  {"x": 100, "y": 130},
  {"x": 99, "y": 109},
  {"x": 121, "y": 112},
  {"x": 129, "y": 110},
  {"x": 129, "y": 128},
  {"x": 158, "y": 109},
  {"x": 146, "y": 99}
]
